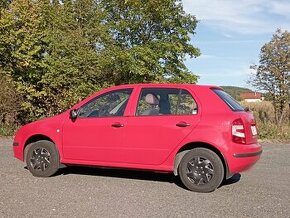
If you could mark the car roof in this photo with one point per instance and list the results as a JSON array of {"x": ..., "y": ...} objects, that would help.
[{"x": 166, "y": 85}]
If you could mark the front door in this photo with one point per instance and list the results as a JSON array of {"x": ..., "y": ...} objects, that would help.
[{"x": 97, "y": 133}]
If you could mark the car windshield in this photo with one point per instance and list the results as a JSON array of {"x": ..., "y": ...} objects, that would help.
[{"x": 229, "y": 100}]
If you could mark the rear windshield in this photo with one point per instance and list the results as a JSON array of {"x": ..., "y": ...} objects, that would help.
[{"x": 229, "y": 100}]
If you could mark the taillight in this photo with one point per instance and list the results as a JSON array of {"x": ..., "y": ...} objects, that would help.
[{"x": 238, "y": 131}]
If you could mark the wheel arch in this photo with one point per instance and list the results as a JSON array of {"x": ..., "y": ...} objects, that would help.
[
  {"x": 35, "y": 138},
  {"x": 189, "y": 146}
]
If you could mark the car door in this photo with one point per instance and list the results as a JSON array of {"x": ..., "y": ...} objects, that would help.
[
  {"x": 97, "y": 133},
  {"x": 163, "y": 118}
]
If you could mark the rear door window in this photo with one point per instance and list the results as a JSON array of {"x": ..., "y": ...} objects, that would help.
[
  {"x": 229, "y": 100},
  {"x": 165, "y": 101}
]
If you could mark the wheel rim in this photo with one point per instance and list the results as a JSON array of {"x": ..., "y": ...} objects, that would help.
[
  {"x": 40, "y": 159},
  {"x": 200, "y": 170}
]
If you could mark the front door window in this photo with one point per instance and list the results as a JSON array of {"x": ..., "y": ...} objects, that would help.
[{"x": 112, "y": 104}]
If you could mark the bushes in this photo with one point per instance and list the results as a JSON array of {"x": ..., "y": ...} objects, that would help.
[
  {"x": 265, "y": 118},
  {"x": 9, "y": 105},
  {"x": 58, "y": 52}
]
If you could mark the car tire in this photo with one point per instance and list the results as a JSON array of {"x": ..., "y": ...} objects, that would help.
[
  {"x": 42, "y": 158},
  {"x": 201, "y": 170}
]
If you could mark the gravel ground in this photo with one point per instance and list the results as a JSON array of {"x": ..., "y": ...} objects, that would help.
[{"x": 264, "y": 191}]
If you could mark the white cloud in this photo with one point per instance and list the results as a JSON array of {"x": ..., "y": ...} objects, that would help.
[
  {"x": 280, "y": 8},
  {"x": 243, "y": 16}
]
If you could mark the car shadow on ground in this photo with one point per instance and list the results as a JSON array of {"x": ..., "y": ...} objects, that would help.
[
  {"x": 118, "y": 173},
  {"x": 234, "y": 179},
  {"x": 133, "y": 174}
]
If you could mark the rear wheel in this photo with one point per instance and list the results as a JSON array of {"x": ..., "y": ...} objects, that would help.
[
  {"x": 201, "y": 170},
  {"x": 42, "y": 158}
]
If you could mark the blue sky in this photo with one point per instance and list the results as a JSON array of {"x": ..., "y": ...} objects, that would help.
[{"x": 230, "y": 34}]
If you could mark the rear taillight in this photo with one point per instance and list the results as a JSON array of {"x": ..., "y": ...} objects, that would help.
[{"x": 238, "y": 131}]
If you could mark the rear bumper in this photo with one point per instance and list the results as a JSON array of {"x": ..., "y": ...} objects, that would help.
[
  {"x": 244, "y": 157},
  {"x": 248, "y": 154}
]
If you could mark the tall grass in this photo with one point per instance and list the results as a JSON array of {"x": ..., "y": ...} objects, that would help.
[
  {"x": 265, "y": 118},
  {"x": 8, "y": 129}
]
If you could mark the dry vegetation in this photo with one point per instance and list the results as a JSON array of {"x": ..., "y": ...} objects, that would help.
[{"x": 265, "y": 118}]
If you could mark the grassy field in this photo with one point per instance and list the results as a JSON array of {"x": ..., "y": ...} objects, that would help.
[{"x": 268, "y": 130}]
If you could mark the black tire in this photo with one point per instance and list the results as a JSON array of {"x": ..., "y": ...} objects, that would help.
[
  {"x": 42, "y": 158},
  {"x": 201, "y": 170}
]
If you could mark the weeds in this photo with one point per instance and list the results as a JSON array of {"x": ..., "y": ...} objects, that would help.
[
  {"x": 8, "y": 130},
  {"x": 265, "y": 119}
]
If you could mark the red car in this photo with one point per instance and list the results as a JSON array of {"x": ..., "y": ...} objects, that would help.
[{"x": 197, "y": 132}]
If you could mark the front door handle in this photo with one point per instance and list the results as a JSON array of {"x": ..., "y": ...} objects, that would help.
[
  {"x": 182, "y": 124},
  {"x": 117, "y": 125}
]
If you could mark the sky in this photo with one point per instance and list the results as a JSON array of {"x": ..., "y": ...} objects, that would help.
[{"x": 230, "y": 34}]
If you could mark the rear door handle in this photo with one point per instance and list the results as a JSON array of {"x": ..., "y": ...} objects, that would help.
[
  {"x": 182, "y": 124},
  {"x": 117, "y": 125}
]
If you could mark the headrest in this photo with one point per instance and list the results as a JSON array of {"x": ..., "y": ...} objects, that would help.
[{"x": 151, "y": 99}]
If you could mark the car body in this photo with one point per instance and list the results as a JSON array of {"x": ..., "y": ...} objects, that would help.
[{"x": 147, "y": 126}]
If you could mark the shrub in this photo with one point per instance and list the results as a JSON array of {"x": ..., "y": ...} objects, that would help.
[
  {"x": 9, "y": 105},
  {"x": 265, "y": 118}
]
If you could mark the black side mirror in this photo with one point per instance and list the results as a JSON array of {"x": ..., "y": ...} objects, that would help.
[{"x": 73, "y": 114}]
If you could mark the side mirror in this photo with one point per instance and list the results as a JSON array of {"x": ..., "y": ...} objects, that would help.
[
  {"x": 247, "y": 109},
  {"x": 73, "y": 114}
]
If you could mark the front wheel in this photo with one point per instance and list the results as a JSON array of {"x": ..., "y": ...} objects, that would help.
[
  {"x": 201, "y": 170},
  {"x": 42, "y": 158}
]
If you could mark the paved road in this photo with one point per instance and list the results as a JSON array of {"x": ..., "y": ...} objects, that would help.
[{"x": 264, "y": 191}]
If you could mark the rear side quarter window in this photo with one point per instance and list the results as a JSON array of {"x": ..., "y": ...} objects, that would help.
[{"x": 229, "y": 100}]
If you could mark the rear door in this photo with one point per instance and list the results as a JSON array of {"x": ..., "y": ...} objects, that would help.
[{"x": 163, "y": 118}]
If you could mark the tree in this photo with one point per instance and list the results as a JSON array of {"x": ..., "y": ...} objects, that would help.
[
  {"x": 149, "y": 41},
  {"x": 272, "y": 74},
  {"x": 23, "y": 44},
  {"x": 58, "y": 52}
]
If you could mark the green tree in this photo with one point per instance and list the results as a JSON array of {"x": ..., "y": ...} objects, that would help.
[
  {"x": 22, "y": 45},
  {"x": 272, "y": 74},
  {"x": 150, "y": 40},
  {"x": 59, "y": 52},
  {"x": 73, "y": 62}
]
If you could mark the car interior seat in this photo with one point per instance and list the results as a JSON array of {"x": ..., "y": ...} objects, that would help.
[{"x": 153, "y": 101}]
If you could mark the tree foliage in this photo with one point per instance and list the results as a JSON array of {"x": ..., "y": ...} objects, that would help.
[
  {"x": 58, "y": 52},
  {"x": 9, "y": 100},
  {"x": 272, "y": 74}
]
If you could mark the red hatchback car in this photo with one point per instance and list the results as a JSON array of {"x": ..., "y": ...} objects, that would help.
[{"x": 197, "y": 132}]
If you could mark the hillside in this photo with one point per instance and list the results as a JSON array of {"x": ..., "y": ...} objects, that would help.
[{"x": 235, "y": 91}]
